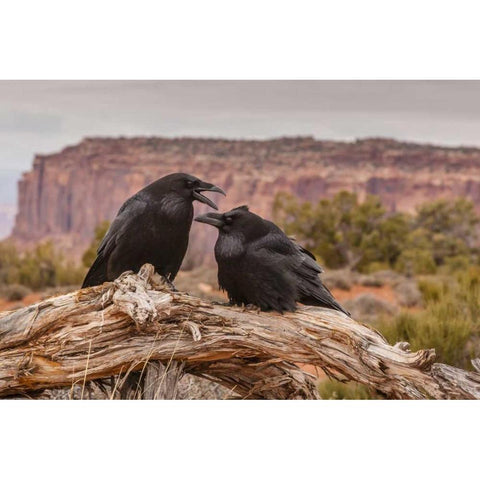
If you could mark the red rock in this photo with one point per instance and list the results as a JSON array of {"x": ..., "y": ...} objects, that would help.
[{"x": 67, "y": 194}]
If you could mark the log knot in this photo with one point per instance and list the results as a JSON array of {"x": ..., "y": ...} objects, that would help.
[
  {"x": 130, "y": 295},
  {"x": 404, "y": 346}
]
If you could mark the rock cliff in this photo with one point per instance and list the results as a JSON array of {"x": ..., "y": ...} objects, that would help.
[{"x": 67, "y": 194}]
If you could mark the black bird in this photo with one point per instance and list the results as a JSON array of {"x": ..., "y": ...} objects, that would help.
[
  {"x": 152, "y": 226},
  {"x": 258, "y": 264}
]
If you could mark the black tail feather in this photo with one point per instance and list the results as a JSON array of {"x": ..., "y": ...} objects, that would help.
[
  {"x": 322, "y": 297},
  {"x": 97, "y": 273}
]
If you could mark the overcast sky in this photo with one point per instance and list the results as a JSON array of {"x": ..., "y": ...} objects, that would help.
[{"x": 45, "y": 116}]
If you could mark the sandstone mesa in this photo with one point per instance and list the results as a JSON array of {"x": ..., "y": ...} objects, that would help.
[{"x": 66, "y": 194}]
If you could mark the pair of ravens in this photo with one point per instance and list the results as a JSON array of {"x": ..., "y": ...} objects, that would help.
[{"x": 257, "y": 263}]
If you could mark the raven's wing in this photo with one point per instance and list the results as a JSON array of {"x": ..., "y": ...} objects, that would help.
[
  {"x": 311, "y": 289},
  {"x": 304, "y": 250},
  {"x": 296, "y": 269},
  {"x": 124, "y": 221},
  {"x": 264, "y": 278},
  {"x": 126, "y": 217}
]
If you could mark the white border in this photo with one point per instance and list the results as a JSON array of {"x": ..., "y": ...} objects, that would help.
[
  {"x": 249, "y": 439},
  {"x": 241, "y": 40},
  {"x": 252, "y": 39}
]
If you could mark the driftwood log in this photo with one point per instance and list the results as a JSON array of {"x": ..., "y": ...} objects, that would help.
[{"x": 136, "y": 324}]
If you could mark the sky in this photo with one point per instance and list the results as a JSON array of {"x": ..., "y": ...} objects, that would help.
[{"x": 45, "y": 116}]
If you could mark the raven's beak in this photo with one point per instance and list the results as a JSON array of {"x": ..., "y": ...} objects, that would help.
[
  {"x": 214, "y": 219},
  {"x": 206, "y": 187}
]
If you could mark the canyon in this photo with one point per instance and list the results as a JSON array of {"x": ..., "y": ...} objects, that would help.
[{"x": 67, "y": 194}]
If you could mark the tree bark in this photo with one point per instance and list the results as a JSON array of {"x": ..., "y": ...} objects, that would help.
[{"x": 134, "y": 323}]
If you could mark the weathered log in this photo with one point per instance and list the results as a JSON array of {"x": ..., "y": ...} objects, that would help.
[
  {"x": 123, "y": 326},
  {"x": 154, "y": 381}
]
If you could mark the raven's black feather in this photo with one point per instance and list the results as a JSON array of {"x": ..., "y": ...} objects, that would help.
[
  {"x": 152, "y": 226},
  {"x": 258, "y": 264}
]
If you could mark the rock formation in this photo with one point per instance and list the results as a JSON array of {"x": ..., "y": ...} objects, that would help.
[{"x": 67, "y": 194}]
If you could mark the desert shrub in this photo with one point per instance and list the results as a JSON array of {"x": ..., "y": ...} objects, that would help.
[
  {"x": 370, "y": 281},
  {"x": 450, "y": 322},
  {"x": 69, "y": 274},
  {"x": 457, "y": 263},
  {"x": 37, "y": 267},
  {"x": 41, "y": 267},
  {"x": 416, "y": 261},
  {"x": 341, "y": 279},
  {"x": 14, "y": 292},
  {"x": 9, "y": 262},
  {"x": 368, "y": 306},
  {"x": 335, "y": 390},
  {"x": 452, "y": 226},
  {"x": 366, "y": 237},
  {"x": 380, "y": 248},
  {"x": 91, "y": 252},
  {"x": 440, "y": 328},
  {"x": 382, "y": 277},
  {"x": 375, "y": 267},
  {"x": 45, "y": 267},
  {"x": 408, "y": 294},
  {"x": 343, "y": 231},
  {"x": 432, "y": 288}
]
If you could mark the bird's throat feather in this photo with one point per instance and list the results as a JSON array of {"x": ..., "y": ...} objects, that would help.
[{"x": 229, "y": 246}]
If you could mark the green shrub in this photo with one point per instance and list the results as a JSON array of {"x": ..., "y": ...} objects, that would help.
[
  {"x": 375, "y": 267},
  {"x": 457, "y": 263},
  {"x": 14, "y": 292},
  {"x": 452, "y": 227},
  {"x": 343, "y": 231},
  {"x": 415, "y": 262},
  {"x": 440, "y": 328},
  {"x": 9, "y": 262},
  {"x": 91, "y": 253},
  {"x": 449, "y": 322},
  {"x": 366, "y": 237},
  {"x": 432, "y": 288},
  {"x": 38, "y": 268},
  {"x": 68, "y": 273}
]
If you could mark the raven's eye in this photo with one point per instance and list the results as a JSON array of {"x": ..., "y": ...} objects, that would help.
[
  {"x": 228, "y": 220},
  {"x": 189, "y": 184}
]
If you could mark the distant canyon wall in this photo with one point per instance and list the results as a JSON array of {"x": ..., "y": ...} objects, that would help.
[{"x": 67, "y": 194}]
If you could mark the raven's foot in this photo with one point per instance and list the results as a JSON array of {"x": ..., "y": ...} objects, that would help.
[
  {"x": 251, "y": 308},
  {"x": 222, "y": 304},
  {"x": 170, "y": 284}
]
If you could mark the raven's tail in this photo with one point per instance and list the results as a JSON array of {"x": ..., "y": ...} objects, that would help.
[
  {"x": 97, "y": 273},
  {"x": 322, "y": 297}
]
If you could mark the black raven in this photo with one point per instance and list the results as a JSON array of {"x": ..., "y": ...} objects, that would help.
[
  {"x": 258, "y": 264},
  {"x": 152, "y": 226}
]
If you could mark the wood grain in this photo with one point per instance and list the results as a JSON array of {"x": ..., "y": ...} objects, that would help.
[{"x": 130, "y": 324}]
